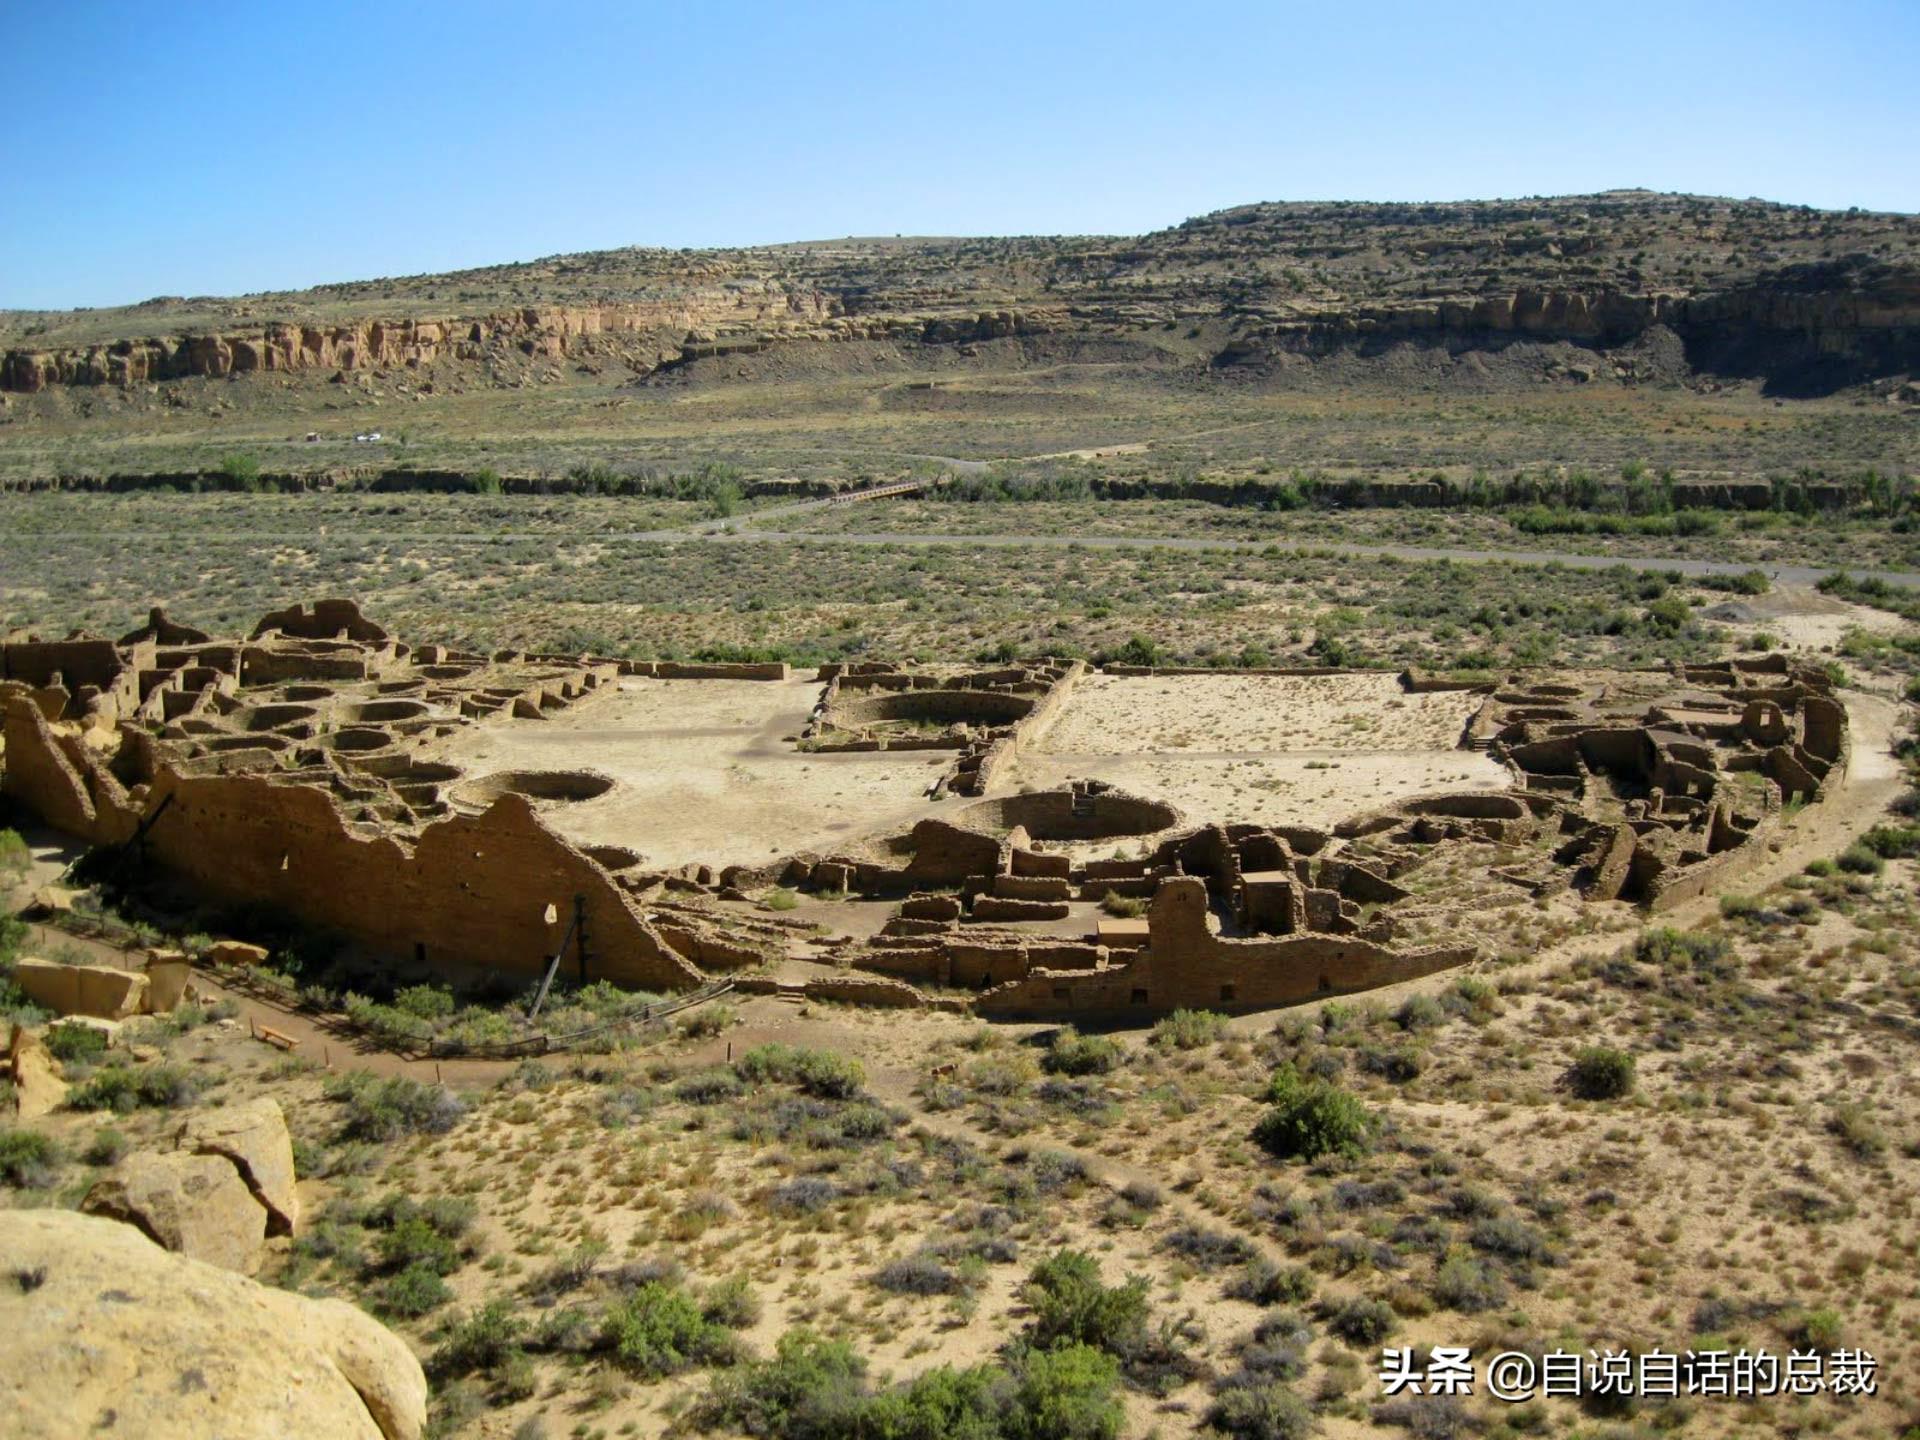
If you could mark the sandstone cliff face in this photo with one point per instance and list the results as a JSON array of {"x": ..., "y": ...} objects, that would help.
[{"x": 1749, "y": 288}]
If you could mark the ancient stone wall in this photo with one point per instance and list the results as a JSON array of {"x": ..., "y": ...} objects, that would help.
[{"x": 1185, "y": 966}]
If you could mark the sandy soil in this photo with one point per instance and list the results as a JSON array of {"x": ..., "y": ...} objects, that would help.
[
  {"x": 1801, "y": 618},
  {"x": 705, "y": 772},
  {"x": 1284, "y": 749}
]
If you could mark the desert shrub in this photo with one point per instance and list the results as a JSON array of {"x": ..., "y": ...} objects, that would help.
[
  {"x": 709, "y": 1087},
  {"x": 70, "y": 1043},
  {"x": 123, "y": 1088},
  {"x": 1819, "y": 1329},
  {"x": 413, "y": 1241},
  {"x": 1075, "y": 1054},
  {"x": 802, "y": 1195},
  {"x": 108, "y": 1147},
  {"x": 1509, "y": 1237},
  {"x": 1600, "y": 1072},
  {"x": 1427, "y": 1417},
  {"x": 830, "y": 1076},
  {"x": 1054, "y": 1170},
  {"x": 1311, "y": 1118},
  {"x": 708, "y": 1021},
  {"x": 812, "y": 1387},
  {"x": 1397, "y": 1064},
  {"x": 781, "y": 899},
  {"x": 1860, "y": 859},
  {"x": 1265, "y": 1410},
  {"x": 1071, "y": 1305},
  {"x": 820, "y": 1073},
  {"x": 1264, "y": 1283},
  {"x": 1143, "y": 1194},
  {"x": 1362, "y": 1322},
  {"x": 1855, "y": 1129},
  {"x": 1669, "y": 947},
  {"x": 1188, "y": 1030},
  {"x": 731, "y": 1303},
  {"x": 1067, "y": 1393},
  {"x": 425, "y": 1002},
  {"x": 28, "y": 1159},
  {"x": 383, "y": 1110},
  {"x": 413, "y": 1292},
  {"x": 921, "y": 1273},
  {"x": 621, "y": 1105},
  {"x": 570, "y": 1272},
  {"x": 659, "y": 1330},
  {"x": 1419, "y": 1012},
  {"x": 1468, "y": 1285},
  {"x": 816, "y": 1389},
  {"x": 1893, "y": 842},
  {"x": 1209, "y": 1249},
  {"x": 1123, "y": 907},
  {"x": 482, "y": 1341}
]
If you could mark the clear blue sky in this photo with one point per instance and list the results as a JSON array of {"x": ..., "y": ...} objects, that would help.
[{"x": 224, "y": 146}]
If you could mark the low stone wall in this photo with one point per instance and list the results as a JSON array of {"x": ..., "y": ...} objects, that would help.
[{"x": 1185, "y": 966}]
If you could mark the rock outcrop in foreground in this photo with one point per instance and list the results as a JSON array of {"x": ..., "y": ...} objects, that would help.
[{"x": 106, "y": 1333}]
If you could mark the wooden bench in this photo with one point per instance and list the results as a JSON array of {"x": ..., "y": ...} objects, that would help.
[{"x": 278, "y": 1039}]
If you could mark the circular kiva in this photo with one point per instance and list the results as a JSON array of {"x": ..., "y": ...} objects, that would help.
[
  {"x": 556, "y": 786},
  {"x": 1064, "y": 815},
  {"x": 948, "y": 707}
]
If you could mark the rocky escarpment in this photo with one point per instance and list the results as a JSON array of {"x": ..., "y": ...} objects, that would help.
[{"x": 1800, "y": 297}]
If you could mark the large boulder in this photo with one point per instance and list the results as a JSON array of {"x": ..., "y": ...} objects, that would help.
[
  {"x": 37, "y": 1087},
  {"x": 97, "y": 990},
  {"x": 109, "y": 1334},
  {"x": 253, "y": 1135},
  {"x": 196, "y": 1205}
]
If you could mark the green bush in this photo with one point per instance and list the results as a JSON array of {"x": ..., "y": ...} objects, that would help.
[
  {"x": 659, "y": 1330},
  {"x": 1600, "y": 1072},
  {"x": 1188, "y": 1030},
  {"x": 1311, "y": 1118},
  {"x": 28, "y": 1159},
  {"x": 1669, "y": 947},
  {"x": 382, "y": 1110},
  {"x": 481, "y": 1341},
  {"x": 425, "y": 1002},
  {"x": 1072, "y": 1307},
  {"x": 1265, "y": 1283},
  {"x": 1075, "y": 1054},
  {"x": 1893, "y": 842},
  {"x": 1361, "y": 1321},
  {"x": 1419, "y": 1012},
  {"x": 1264, "y": 1410},
  {"x": 818, "y": 1072},
  {"x": 108, "y": 1147},
  {"x": 813, "y": 1387},
  {"x": 1468, "y": 1285},
  {"x": 414, "y": 1241},
  {"x": 1860, "y": 859},
  {"x": 1066, "y": 1393},
  {"x": 412, "y": 1293},
  {"x": 69, "y": 1043},
  {"x": 123, "y": 1088},
  {"x": 816, "y": 1389}
]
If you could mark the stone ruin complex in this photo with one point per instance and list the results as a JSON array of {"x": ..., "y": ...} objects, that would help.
[{"x": 285, "y": 769}]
